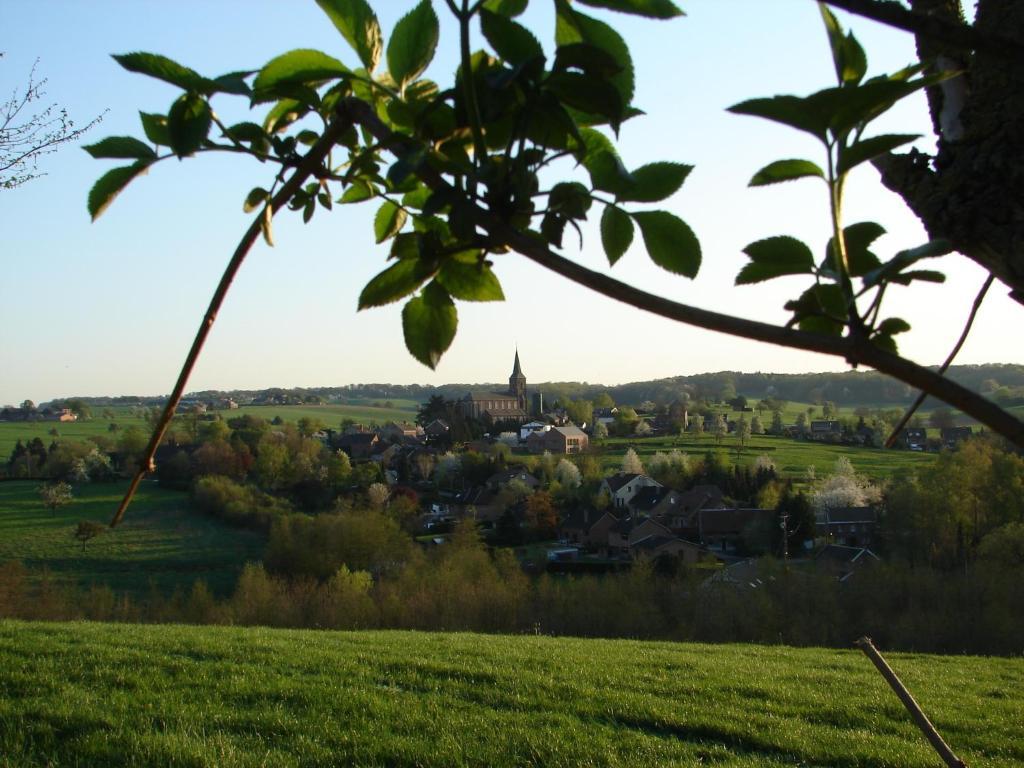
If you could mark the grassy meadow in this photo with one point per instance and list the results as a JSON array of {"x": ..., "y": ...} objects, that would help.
[
  {"x": 331, "y": 415},
  {"x": 791, "y": 457},
  {"x": 108, "y": 694},
  {"x": 162, "y": 540}
]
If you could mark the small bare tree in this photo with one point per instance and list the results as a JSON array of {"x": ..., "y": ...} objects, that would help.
[{"x": 27, "y": 134}]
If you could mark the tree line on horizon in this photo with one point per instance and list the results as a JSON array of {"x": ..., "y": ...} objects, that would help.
[{"x": 1001, "y": 382}]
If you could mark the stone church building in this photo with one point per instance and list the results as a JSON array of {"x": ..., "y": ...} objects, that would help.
[{"x": 494, "y": 407}]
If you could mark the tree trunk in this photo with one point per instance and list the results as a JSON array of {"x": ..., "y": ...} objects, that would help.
[{"x": 971, "y": 192}]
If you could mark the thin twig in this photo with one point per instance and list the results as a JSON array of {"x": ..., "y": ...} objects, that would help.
[
  {"x": 958, "y": 35},
  {"x": 310, "y": 163},
  {"x": 945, "y": 366}
]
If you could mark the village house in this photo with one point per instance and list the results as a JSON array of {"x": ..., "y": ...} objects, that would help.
[
  {"x": 358, "y": 445},
  {"x": 401, "y": 431},
  {"x": 735, "y": 530},
  {"x": 622, "y": 486},
  {"x": 953, "y": 436},
  {"x": 655, "y": 546},
  {"x": 913, "y": 438},
  {"x": 532, "y": 427},
  {"x": 825, "y": 430},
  {"x": 499, "y": 480},
  {"x": 849, "y": 526}
]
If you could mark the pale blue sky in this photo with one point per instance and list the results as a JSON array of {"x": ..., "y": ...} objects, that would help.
[{"x": 111, "y": 307}]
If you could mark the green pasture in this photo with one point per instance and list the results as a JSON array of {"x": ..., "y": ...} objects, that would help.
[
  {"x": 331, "y": 415},
  {"x": 162, "y": 540},
  {"x": 791, "y": 457},
  {"x": 76, "y": 431},
  {"x": 80, "y": 694}
]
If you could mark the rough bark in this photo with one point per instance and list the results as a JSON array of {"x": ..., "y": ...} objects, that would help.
[{"x": 971, "y": 192}]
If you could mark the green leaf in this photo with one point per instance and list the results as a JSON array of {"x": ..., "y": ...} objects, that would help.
[
  {"x": 110, "y": 185},
  {"x": 847, "y": 54},
  {"x": 819, "y": 309},
  {"x": 429, "y": 322},
  {"x": 511, "y": 41},
  {"x": 785, "y": 170},
  {"x": 868, "y": 149},
  {"x": 774, "y": 257},
  {"x": 120, "y": 147},
  {"x": 358, "y": 192},
  {"x": 602, "y": 162},
  {"x": 652, "y": 9},
  {"x": 418, "y": 198},
  {"x": 574, "y": 27},
  {"x": 892, "y": 326},
  {"x": 234, "y": 83},
  {"x": 301, "y": 66},
  {"x": 394, "y": 283},
  {"x": 250, "y": 132},
  {"x": 847, "y": 108},
  {"x": 794, "y": 111},
  {"x": 155, "y": 128},
  {"x": 413, "y": 43},
  {"x": 654, "y": 182},
  {"x": 406, "y": 245},
  {"x": 283, "y": 114},
  {"x": 670, "y": 243},
  {"x": 570, "y": 199},
  {"x": 358, "y": 24},
  {"x": 858, "y": 238},
  {"x": 508, "y": 8},
  {"x": 587, "y": 58},
  {"x": 474, "y": 281},
  {"x": 257, "y": 197},
  {"x": 388, "y": 221},
  {"x": 927, "y": 275},
  {"x": 616, "y": 233},
  {"x": 588, "y": 93},
  {"x": 903, "y": 259},
  {"x": 188, "y": 123},
  {"x": 163, "y": 68}
]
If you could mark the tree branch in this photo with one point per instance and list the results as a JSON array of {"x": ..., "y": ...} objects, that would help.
[
  {"x": 309, "y": 165},
  {"x": 856, "y": 350},
  {"x": 945, "y": 366},
  {"x": 961, "y": 36}
]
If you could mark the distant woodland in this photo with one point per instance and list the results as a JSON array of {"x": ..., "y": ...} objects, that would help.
[{"x": 1003, "y": 383}]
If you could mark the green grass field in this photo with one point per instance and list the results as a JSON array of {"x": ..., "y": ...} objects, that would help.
[
  {"x": 331, "y": 415},
  {"x": 161, "y": 541},
  {"x": 104, "y": 694},
  {"x": 791, "y": 457},
  {"x": 13, "y": 431}
]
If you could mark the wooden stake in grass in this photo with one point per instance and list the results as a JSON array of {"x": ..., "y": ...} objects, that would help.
[{"x": 937, "y": 742}]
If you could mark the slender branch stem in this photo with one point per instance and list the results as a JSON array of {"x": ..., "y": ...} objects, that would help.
[
  {"x": 891, "y": 441},
  {"x": 310, "y": 163},
  {"x": 469, "y": 93}
]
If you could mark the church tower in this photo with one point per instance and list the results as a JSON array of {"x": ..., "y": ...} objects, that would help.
[{"x": 517, "y": 383}]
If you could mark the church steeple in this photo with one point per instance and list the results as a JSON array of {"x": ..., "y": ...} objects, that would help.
[{"x": 517, "y": 383}]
